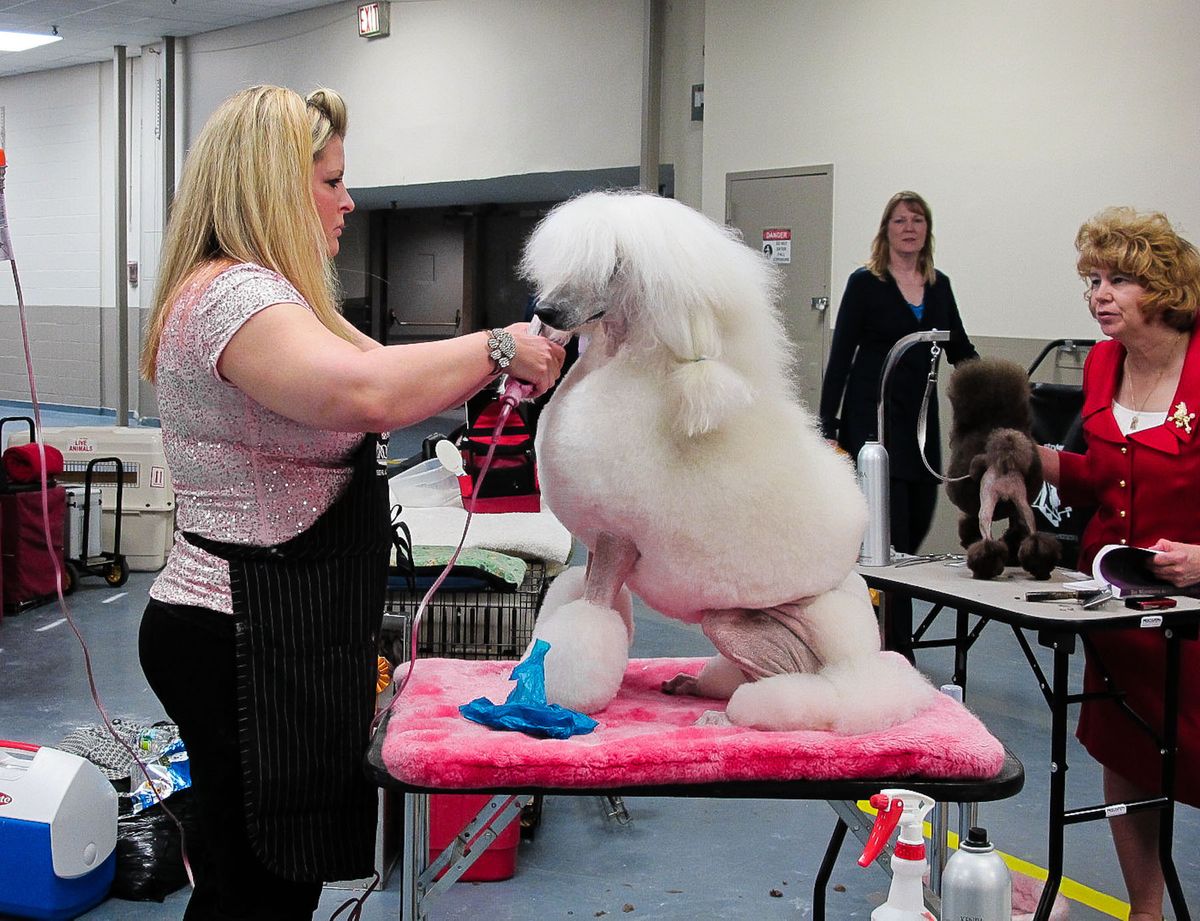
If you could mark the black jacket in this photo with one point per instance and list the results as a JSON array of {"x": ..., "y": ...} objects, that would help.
[{"x": 873, "y": 316}]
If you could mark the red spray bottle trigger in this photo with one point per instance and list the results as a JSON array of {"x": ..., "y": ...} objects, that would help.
[{"x": 889, "y": 809}]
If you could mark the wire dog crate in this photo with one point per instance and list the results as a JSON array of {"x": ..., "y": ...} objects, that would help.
[{"x": 481, "y": 623}]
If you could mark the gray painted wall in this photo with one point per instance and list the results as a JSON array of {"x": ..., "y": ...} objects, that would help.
[{"x": 66, "y": 354}]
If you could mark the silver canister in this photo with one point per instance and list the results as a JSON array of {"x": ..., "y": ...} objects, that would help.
[
  {"x": 874, "y": 480},
  {"x": 976, "y": 885}
]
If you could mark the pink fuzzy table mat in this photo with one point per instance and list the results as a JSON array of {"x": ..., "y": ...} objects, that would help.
[{"x": 648, "y": 738}]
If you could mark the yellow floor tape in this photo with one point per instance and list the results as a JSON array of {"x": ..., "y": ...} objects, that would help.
[{"x": 1076, "y": 892}]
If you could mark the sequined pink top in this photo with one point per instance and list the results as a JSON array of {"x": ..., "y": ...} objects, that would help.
[{"x": 242, "y": 473}]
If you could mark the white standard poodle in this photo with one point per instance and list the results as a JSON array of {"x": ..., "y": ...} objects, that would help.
[{"x": 675, "y": 450}]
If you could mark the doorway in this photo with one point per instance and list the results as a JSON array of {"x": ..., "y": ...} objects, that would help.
[{"x": 788, "y": 213}]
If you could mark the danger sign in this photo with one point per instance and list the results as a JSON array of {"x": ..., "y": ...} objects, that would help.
[{"x": 777, "y": 245}]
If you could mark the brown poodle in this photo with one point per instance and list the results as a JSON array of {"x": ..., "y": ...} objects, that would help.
[{"x": 990, "y": 443}]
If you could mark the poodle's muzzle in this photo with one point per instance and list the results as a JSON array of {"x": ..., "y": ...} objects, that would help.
[{"x": 568, "y": 316}]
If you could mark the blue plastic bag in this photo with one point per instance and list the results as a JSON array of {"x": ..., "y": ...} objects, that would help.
[{"x": 525, "y": 710}]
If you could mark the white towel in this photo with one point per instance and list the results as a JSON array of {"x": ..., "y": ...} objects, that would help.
[{"x": 529, "y": 535}]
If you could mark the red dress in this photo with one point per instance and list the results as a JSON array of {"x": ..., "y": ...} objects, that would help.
[{"x": 1143, "y": 487}]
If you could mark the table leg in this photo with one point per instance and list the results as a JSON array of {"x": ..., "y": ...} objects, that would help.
[
  {"x": 962, "y": 646},
  {"x": 1166, "y": 824},
  {"x": 414, "y": 856},
  {"x": 939, "y": 845},
  {"x": 968, "y": 813},
  {"x": 1063, "y": 646},
  {"x": 826, "y": 869},
  {"x": 898, "y": 624}
]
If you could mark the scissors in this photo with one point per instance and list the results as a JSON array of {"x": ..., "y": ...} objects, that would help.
[
  {"x": 930, "y": 558},
  {"x": 1091, "y": 598}
]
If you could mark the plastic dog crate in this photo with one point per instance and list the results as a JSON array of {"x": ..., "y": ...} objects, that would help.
[
  {"x": 147, "y": 502},
  {"x": 478, "y": 623}
]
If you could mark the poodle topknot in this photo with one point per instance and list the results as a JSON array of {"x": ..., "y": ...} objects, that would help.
[{"x": 614, "y": 256}]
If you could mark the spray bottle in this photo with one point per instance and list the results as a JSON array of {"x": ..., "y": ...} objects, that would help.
[{"x": 906, "y": 897}]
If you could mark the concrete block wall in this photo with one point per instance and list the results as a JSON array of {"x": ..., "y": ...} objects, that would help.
[
  {"x": 53, "y": 192},
  {"x": 66, "y": 354}
]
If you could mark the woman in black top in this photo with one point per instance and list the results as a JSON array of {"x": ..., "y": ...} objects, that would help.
[{"x": 898, "y": 292}]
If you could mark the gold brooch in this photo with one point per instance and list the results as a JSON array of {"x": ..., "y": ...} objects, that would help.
[{"x": 1182, "y": 418}]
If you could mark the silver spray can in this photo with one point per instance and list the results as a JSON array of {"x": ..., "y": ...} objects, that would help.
[
  {"x": 976, "y": 885},
  {"x": 874, "y": 480}
]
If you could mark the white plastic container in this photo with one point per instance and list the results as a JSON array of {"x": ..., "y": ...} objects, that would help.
[
  {"x": 427, "y": 485},
  {"x": 147, "y": 501}
]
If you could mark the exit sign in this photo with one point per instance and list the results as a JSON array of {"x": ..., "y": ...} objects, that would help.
[{"x": 373, "y": 19}]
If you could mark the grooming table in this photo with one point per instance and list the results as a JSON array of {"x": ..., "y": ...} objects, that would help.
[
  {"x": 647, "y": 744},
  {"x": 948, "y": 584}
]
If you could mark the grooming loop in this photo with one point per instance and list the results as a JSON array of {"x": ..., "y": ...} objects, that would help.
[{"x": 935, "y": 353}]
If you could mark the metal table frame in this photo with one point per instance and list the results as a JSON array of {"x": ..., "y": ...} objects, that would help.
[{"x": 1059, "y": 627}]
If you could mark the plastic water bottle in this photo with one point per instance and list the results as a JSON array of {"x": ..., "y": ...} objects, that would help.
[{"x": 976, "y": 885}]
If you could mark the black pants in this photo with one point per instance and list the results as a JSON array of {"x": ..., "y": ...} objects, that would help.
[
  {"x": 911, "y": 514},
  {"x": 912, "y": 504},
  {"x": 187, "y": 655}
]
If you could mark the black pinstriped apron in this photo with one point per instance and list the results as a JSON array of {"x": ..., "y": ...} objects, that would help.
[{"x": 307, "y": 616}]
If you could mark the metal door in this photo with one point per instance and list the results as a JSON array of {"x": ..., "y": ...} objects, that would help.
[
  {"x": 425, "y": 274},
  {"x": 788, "y": 213}
]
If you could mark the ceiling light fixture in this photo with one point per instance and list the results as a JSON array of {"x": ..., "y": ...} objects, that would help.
[{"x": 23, "y": 41}]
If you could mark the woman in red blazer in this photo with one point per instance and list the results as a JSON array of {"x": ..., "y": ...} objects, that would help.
[{"x": 1140, "y": 472}]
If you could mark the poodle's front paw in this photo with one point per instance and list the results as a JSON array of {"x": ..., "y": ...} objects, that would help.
[
  {"x": 682, "y": 684},
  {"x": 713, "y": 718},
  {"x": 1039, "y": 554},
  {"x": 986, "y": 558},
  {"x": 589, "y": 651}
]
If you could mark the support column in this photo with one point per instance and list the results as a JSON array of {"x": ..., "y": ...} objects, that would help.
[{"x": 121, "y": 215}]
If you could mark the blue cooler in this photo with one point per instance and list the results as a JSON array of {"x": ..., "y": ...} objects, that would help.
[{"x": 58, "y": 832}]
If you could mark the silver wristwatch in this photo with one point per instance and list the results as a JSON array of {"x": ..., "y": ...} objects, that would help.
[{"x": 502, "y": 348}]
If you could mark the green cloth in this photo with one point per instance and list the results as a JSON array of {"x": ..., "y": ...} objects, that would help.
[{"x": 500, "y": 565}]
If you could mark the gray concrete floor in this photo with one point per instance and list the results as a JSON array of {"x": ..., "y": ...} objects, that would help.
[{"x": 678, "y": 858}]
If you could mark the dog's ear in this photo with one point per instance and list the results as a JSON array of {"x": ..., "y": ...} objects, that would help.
[
  {"x": 707, "y": 389},
  {"x": 707, "y": 392}
]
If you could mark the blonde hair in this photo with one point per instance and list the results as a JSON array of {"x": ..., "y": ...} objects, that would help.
[
  {"x": 880, "y": 250},
  {"x": 1144, "y": 246},
  {"x": 246, "y": 196}
]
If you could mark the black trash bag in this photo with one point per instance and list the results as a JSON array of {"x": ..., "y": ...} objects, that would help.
[{"x": 149, "y": 858}]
